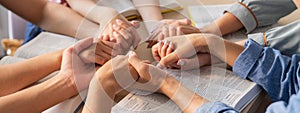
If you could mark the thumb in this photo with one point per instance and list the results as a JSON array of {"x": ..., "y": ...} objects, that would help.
[
  {"x": 169, "y": 59},
  {"x": 134, "y": 60},
  {"x": 83, "y": 44},
  {"x": 135, "y": 24}
]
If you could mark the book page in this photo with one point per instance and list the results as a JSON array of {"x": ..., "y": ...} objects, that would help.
[
  {"x": 44, "y": 43},
  {"x": 127, "y": 8},
  {"x": 204, "y": 15},
  {"x": 214, "y": 84}
]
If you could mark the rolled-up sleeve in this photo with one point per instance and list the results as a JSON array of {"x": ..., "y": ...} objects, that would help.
[
  {"x": 283, "y": 107},
  {"x": 284, "y": 38},
  {"x": 276, "y": 73},
  {"x": 256, "y": 13},
  {"x": 215, "y": 107}
]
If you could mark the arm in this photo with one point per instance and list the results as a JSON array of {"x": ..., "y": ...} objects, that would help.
[
  {"x": 22, "y": 74},
  {"x": 283, "y": 38},
  {"x": 150, "y": 12},
  {"x": 281, "y": 106},
  {"x": 189, "y": 45},
  {"x": 250, "y": 15},
  {"x": 40, "y": 12},
  {"x": 110, "y": 79},
  {"x": 276, "y": 73},
  {"x": 38, "y": 98},
  {"x": 73, "y": 77},
  {"x": 187, "y": 100}
]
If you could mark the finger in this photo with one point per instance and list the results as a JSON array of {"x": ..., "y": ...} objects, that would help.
[
  {"x": 106, "y": 38},
  {"x": 135, "y": 61},
  {"x": 159, "y": 48},
  {"x": 126, "y": 35},
  {"x": 121, "y": 41},
  {"x": 116, "y": 48},
  {"x": 101, "y": 47},
  {"x": 121, "y": 23},
  {"x": 165, "y": 31},
  {"x": 100, "y": 60},
  {"x": 179, "y": 31},
  {"x": 188, "y": 29},
  {"x": 190, "y": 63},
  {"x": 135, "y": 24},
  {"x": 100, "y": 38},
  {"x": 172, "y": 31},
  {"x": 155, "y": 52},
  {"x": 83, "y": 44},
  {"x": 169, "y": 59},
  {"x": 164, "y": 49},
  {"x": 170, "y": 49},
  {"x": 104, "y": 55},
  {"x": 185, "y": 22}
]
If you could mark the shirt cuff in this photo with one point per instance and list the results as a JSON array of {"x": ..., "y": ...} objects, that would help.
[
  {"x": 215, "y": 107},
  {"x": 244, "y": 14},
  {"x": 258, "y": 37},
  {"x": 247, "y": 59}
]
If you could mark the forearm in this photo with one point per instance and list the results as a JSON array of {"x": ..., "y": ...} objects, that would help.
[
  {"x": 38, "y": 98},
  {"x": 22, "y": 74},
  {"x": 187, "y": 100},
  {"x": 100, "y": 98},
  {"x": 82, "y": 6},
  {"x": 62, "y": 20},
  {"x": 228, "y": 23},
  {"x": 149, "y": 10},
  {"x": 223, "y": 49}
]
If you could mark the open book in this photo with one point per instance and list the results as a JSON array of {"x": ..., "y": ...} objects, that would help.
[
  {"x": 202, "y": 15},
  {"x": 213, "y": 83},
  {"x": 127, "y": 9}
]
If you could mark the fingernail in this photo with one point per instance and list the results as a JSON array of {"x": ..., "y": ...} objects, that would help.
[
  {"x": 131, "y": 53},
  {"x": 171, "y": 45},
  {"x": 118, "y": 21},
  {"x": 165, "y": 42},
  {"x": 161, "y": 66},
  {"x": 180, "y": 63},
  {"x": 114, "y": 26},
  {"x": 115, "y": 33},
  {"x": 101, "y": 37}
]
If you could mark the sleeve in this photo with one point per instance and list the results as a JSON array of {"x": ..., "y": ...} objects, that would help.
[
  {"x": 283, "y": 107},
  {"x": 215, "y": 107},
  {"x": 276, "y": 73},
  {"x": 256, "y": 13},
  {"x": 285, "y": 38}
]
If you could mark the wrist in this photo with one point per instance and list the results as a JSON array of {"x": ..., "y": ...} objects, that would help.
[
  {"x": 58, "y": 58},
  {"x": 169, "y": 86},
  {"x": 65, "y": 84}
]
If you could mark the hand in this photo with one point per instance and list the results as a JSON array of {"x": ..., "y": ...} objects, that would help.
[
  {"x": 101, "y": 51},
  {"x": 168, "y": 28},
  {"x": 125, "y": 34},
  {"x": 74, "y": 68},
  {"x": 151, "y": 77},
  {"x": 185, "y": 47},
  {"x": 117, "y": 74},
  {"x": 165, "y": 48}
]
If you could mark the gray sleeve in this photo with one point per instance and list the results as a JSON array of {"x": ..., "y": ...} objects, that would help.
[
  {"x": 257, "y": 13},
  {"x": 286, "y": 38}
]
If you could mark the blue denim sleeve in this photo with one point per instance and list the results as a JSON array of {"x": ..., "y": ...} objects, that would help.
[
  {"x": 256, "y": 13},
  {"x": 215, "y": 107},
  {"x": 283, "y": 107},
  {"x": 276, "y": 73}
]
